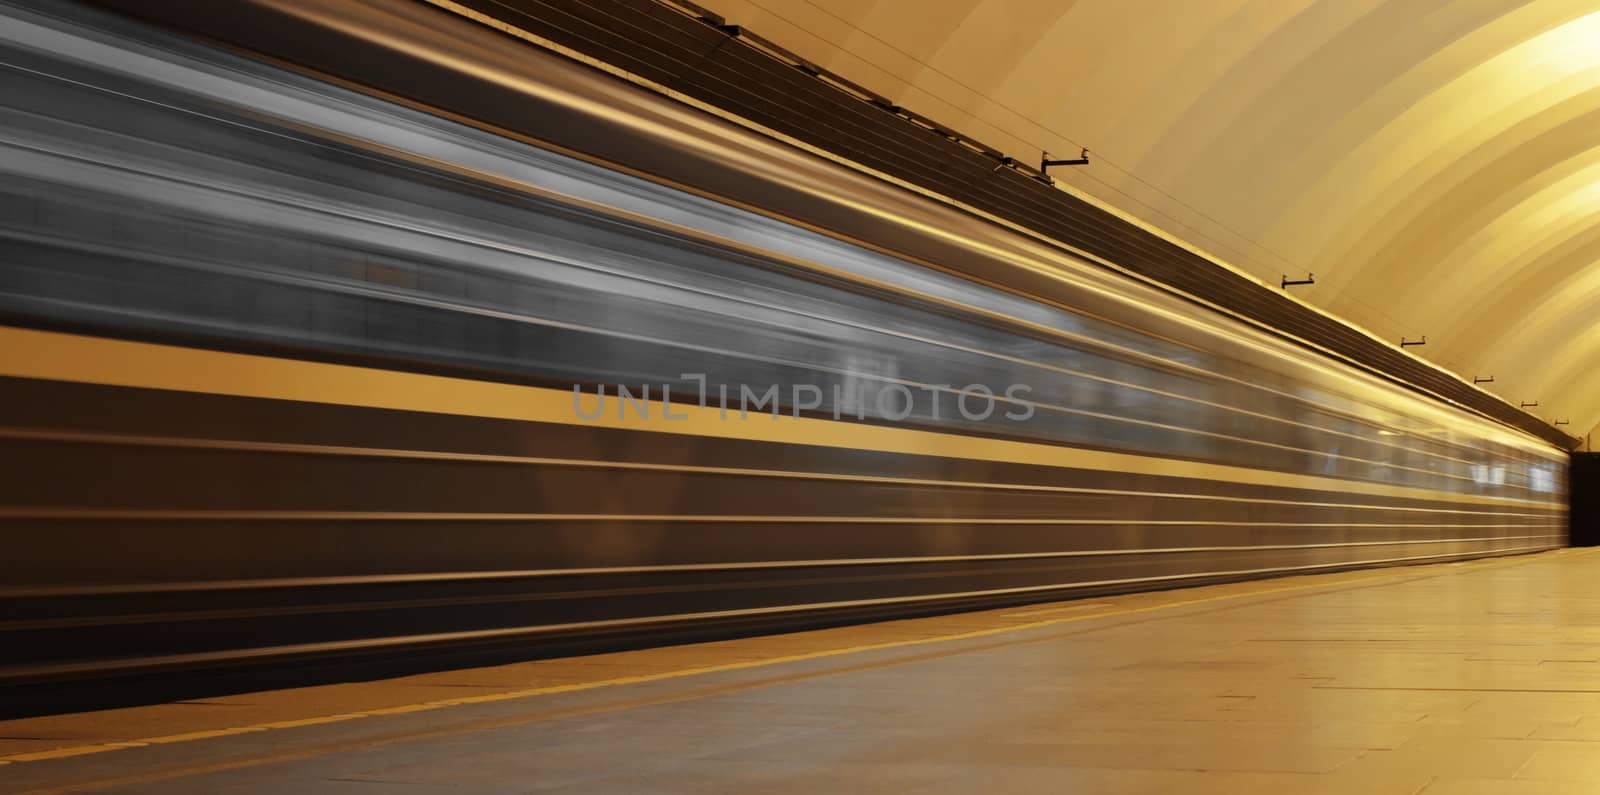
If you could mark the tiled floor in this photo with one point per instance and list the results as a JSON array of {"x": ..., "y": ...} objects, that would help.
[{"x": 1472, "y": 678}]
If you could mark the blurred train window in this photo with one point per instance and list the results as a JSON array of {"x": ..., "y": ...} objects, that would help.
[{"x": 1542, "y": 479}]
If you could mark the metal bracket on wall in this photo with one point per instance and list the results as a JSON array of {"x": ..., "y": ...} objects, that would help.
[{"x": 1045, "y": 162}]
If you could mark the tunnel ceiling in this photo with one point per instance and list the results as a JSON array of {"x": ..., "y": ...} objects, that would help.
[{"x": 1435, "y": 164}]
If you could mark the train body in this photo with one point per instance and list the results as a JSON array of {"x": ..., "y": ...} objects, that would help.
[{"x": 299, "y": 371}]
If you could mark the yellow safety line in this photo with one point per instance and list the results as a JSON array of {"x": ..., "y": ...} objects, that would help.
[
  {"x": 27, "y": 353},
  {"x": 80, "y": 750}
]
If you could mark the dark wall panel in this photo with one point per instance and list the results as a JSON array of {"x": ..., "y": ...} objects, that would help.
[{"x": 1585, "y": 493}]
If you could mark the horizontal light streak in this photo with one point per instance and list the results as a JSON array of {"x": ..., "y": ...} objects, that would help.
[
  {"x": 271, "y": 652},
  {"x": 169, "y": 514},
  {"x": 46, "y": 355},
  {"x": 488, "y": 458},
  {"x": 506, "y": 574}
]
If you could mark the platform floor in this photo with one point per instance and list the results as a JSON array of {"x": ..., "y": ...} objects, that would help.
[{"x": 1479, "y": 677}]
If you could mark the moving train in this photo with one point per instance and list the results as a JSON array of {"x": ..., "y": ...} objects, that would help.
[{"x": 300, "y": 373}]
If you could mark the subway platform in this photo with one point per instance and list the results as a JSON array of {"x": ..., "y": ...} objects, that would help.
[{"x": 1467, "y": 678}]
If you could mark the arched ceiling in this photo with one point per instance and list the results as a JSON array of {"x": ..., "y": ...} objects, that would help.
[{"x": 1436, "y": 163}]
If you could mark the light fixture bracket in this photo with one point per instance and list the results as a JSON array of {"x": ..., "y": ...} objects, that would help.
[{"x": 1045, "y": 162}]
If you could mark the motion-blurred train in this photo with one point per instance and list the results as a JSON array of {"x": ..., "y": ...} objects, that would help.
[{"x": 301, "y": 372}]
